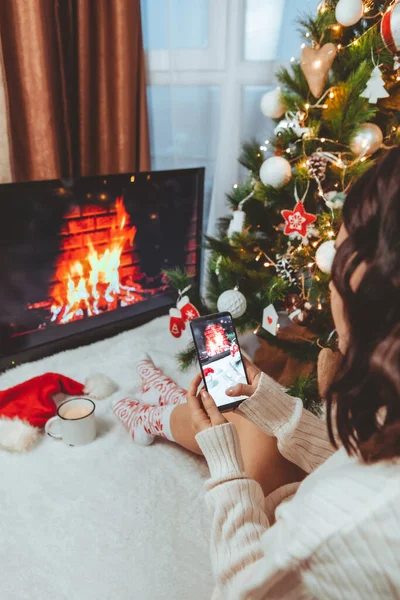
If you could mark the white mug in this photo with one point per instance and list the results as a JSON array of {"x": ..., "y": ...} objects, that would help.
[{"x": 76, "y": 422}]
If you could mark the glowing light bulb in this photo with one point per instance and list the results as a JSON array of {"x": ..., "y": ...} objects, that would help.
[
  {"x": 324, "y": 106},
  {"x": 323, "y": 140},
  {"x": 336, "y": 27},
  {"x": 331, "y": 95},
  {"x": 292, "y": 59},
  {"x": 267, "y": 264},
  {"x": 331, "y": 233},
  {"x": 311, "y": 264},
  {"x": 288, "y": 150},
  {"x": 339, "y": 46},
  {"x": 303, "y": 46},
  {"x": 235, "y": 186},
  {"x": 355, "y": 42},
  {"x": 307, "y": 106},
  {"x": 319, "y": 306}
]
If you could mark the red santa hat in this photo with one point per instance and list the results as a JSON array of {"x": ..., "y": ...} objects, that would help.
[{"x": 25, "y": 408}]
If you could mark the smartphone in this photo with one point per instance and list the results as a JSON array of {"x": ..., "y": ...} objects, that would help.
[{"x": 220, "y": 358}]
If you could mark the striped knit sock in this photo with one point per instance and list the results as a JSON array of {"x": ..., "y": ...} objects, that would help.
[
  {"x": 158, "y": 388},
  {"x": 144, "y": 421}
]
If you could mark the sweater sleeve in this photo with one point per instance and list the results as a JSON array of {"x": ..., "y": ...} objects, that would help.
[
  {"x": 242, "y": 568},
  {"x": 302, "y": 437}
]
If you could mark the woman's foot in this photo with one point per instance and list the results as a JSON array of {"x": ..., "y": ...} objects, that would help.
[
  {"x": 158, "y": 388},
  {"x": 144, "y": 421}
]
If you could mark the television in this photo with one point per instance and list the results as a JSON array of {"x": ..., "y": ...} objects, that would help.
[{"x": 81, "y": 260}]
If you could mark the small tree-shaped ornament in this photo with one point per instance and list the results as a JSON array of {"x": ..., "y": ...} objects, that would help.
[{"x": 375, "y": 87}]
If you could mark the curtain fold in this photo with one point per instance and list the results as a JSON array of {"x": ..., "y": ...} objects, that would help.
[{"x": 75, "y": 77}]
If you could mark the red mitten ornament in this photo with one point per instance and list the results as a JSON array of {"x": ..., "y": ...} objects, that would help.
[
  {"x": 176, "y": 323},
  {"x": 234, "y": 349},
  {"x": 187, "y": 309},
  {"x": 297, "y": 220}
]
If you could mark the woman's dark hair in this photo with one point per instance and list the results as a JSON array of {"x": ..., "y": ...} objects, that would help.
[{"x": 366, "y": 391}]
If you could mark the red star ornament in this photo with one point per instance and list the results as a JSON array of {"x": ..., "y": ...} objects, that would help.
[{"x": 297, "y": 220}]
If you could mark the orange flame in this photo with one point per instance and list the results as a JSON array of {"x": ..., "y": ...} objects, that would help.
[{"x": 91, "y": 285}]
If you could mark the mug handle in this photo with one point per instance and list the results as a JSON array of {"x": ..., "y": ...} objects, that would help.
[{"x": 57, "y": 435}]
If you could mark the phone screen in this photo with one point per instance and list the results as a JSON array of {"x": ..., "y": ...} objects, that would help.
[{"x": 219, "y": 356}]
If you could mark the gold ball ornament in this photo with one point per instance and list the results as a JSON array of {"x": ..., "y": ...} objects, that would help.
[
  {"x": 366, "y": 140},
  {"x": 316, "y": 63}
]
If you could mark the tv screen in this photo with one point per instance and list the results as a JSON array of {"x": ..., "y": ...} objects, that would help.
[{"x": 76, "y": 256}]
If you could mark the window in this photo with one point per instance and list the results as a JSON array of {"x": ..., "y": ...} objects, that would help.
[{"x": 209, "y": 62}]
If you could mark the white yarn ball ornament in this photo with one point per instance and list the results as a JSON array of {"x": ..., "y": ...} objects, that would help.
[
  {"x": 272, "y": 105},
  {"x": 276, "y": 171},
  {"x": 232, "y": 301},
  {"x": 325, "y": 255},
  {"x": 349, "y": 12}
]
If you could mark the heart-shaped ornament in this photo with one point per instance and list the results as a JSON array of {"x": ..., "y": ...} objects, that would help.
[
  {"x": 269, "y": 320},
  {"x": 315, "y": 64}
]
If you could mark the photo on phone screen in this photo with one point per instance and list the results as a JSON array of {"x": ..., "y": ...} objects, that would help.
[{"x": 219, "y": 356}]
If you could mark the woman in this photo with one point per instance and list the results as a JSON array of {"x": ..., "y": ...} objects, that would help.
[{"x": 338, "y": 535}]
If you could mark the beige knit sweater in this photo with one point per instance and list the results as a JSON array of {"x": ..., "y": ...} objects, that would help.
[{"x": 337, "y": 537}]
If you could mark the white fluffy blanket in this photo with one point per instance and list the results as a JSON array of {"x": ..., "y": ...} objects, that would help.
[{"x": 111, "y": 520}]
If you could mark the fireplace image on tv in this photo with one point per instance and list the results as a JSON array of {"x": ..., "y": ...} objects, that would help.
[{"x": 89, "y": 255}]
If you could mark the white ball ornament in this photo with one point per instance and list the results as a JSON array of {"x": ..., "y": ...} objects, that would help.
[
  {"x": 272, "y": 105},
  {"x": 349, "y": 12},
  {"x": 276, "y": 171},
  {"x": 325, "y": 255},
  {"x": 366, "y": 140},
  {"x": 232, "y": 301}
]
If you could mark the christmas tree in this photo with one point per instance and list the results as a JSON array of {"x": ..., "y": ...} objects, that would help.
[{"x": 336, "y": 111}]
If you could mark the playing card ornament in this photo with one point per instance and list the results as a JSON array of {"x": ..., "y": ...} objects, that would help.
[{"x": 316, "y": 63}]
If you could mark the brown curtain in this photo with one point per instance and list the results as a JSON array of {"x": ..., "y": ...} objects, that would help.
[{"x": 75, "y": 78}]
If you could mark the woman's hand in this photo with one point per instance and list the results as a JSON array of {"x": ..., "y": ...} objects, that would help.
[
  {"x": 243, "y": 389},
  {"x": 202, "y": 407}
]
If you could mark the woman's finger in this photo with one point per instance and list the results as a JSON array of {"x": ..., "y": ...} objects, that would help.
[
  {"x": 211, "y": 409},
  {"x": 241, "y": 389},
  {"x": 199, "y": 417},
  {"x": 192, "y": 391},
  {"x": 251, "y": 369}
]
